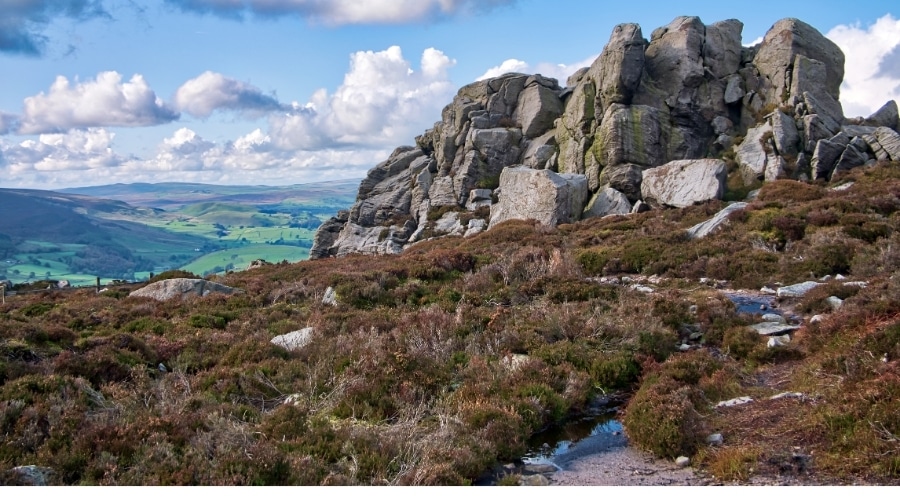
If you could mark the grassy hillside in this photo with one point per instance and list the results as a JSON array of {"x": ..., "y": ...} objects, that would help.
[
  {"x": 76, "y": 237},
  {"x": 440, "y": 363}
]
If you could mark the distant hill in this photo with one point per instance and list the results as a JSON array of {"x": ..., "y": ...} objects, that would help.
[
  {"x": 175, "y": 195},
  {"x": 126, "y": 231},
  {"x": 53, "y": 232}
]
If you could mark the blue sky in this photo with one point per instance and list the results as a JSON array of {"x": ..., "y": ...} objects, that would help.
[{"x": 291, "y": 91}]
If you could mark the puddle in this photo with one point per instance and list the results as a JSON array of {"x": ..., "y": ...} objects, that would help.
[
  {"x": 753, "y": 304},
  {"x": 554, "y": 448}
]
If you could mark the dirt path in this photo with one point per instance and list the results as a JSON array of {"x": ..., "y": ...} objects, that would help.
[{"x": 606, "y": 459}]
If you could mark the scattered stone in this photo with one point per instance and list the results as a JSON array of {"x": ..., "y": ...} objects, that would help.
[
  {"x": 330, "y": 297},
  {"x": 860, "y": 284},
  {"x": 182, "y": 288},
  {"x": 773, "y": 318},
  {"x": 794, "y": 395},
  {"x": 642, "y": 288},
  {"x": 161, "y": 367},
  {"x": 770, "y": 328},
  {"x": 778, "y": 341},
  {"x": 33, "y": 475},
  {"x": 840, "y": 277},
  {"x": 258, "y": 263},
  {"x": 512, "y": 362},
  {"x": 734, "y": 402},
  {"x": 683, "y": 461},
  {"x": 818, "y": 318},
  {"x": 715, "y": 439},
  {"x": 842, "y": 187},
  {"x": 294, "y": 340},
  {"x": 704, "y": 228},
  {"x": 768, "y": 291},
  {"x": 797, "y": 290},
  {"x": 539, "y": 469},
  {"x": 834, "y": 302}
]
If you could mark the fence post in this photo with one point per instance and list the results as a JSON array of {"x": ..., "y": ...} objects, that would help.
[
  {"x": 3, "y": 292},
  {"x": 98, "y": 284}
]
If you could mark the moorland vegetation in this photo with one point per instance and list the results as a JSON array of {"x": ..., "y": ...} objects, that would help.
[{"x": 436, "y": 364}]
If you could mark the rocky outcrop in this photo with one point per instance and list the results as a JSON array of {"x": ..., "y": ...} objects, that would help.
[
  {"x": 637, "y": 128},
  {"x": 182, "y": 288}
]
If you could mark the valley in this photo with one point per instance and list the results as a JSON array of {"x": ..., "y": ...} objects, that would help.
[{"x": 128, "y": 231}]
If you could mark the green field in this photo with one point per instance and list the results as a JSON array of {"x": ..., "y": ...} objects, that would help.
[
  {"x": 79, "y": 238},
  {"x": 239, "y": 258}
]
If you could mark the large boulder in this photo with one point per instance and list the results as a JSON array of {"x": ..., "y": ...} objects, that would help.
[
  {"x": 543, "y": 195},
  {"x": 886, "y": 116},
  {"x": 607, "y": 201},
  {"x": 625, "y": 178},
  {"x": 674, "y": 58},
  {"x": 538, "y": 107},
  {"x": 182, "y": 288},
  {"x": 751, "y": 154},
  {"x": 682, "y": 183},
  {"x": 775, "y": 58},
  {"x": 722, "y": 47},
  {"x": 889, "y": 141}
]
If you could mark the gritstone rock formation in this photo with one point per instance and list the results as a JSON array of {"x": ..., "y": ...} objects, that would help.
[{"x": 649, "y": 123}]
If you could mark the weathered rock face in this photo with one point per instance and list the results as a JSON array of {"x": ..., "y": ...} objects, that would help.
[
  {"x": 545, "y": 196},
  {"x": 682, "y": 183},
  {"x": 182, "y": 288},
  {"x": 636, "y": 128}
]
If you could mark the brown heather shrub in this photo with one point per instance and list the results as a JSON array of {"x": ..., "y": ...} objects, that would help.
[{"x": 789, "y": 190}]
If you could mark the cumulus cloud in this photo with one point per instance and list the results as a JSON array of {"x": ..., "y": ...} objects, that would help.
[
  {"x": 103, "y": 102},
  {"x": 22, "y": 21},
  {"x": 211, "y": 91},
  {"x": 872, "y": 67},
  {"x": 88, "y": 157},
  {"x": 76, "y": 151},
  {"x": 342, "y": 12},
  {"x": 559, "y": 71},
  {"x": 381, "y": 101}
]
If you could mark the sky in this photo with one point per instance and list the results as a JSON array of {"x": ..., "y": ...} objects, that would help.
[{"x": 280, "y": 92}]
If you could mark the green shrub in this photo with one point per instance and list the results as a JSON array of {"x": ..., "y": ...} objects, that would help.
[
  {"x": 615, "y": 371},
  {"x": 661, "y": 418}
]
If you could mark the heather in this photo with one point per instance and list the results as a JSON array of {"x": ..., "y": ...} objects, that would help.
[{"x": 440, "y": 362}]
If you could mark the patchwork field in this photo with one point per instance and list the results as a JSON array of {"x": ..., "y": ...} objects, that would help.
[{"x": 136, "y": 230}]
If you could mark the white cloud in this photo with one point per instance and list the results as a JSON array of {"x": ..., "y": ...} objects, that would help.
[
  {"x": 103, "y": 102},
  {"x": 77, "y": 150},
  {"x": 88, "y": 157},
  {"x": 507, "y": 66},
  {"x": 211, "y": 91},
  {"x": 382, "y": 101},
  {"x": 343, "y": 12},
  {"x": 559, "y": 71},
  {"x": 872, "y": 67}
]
